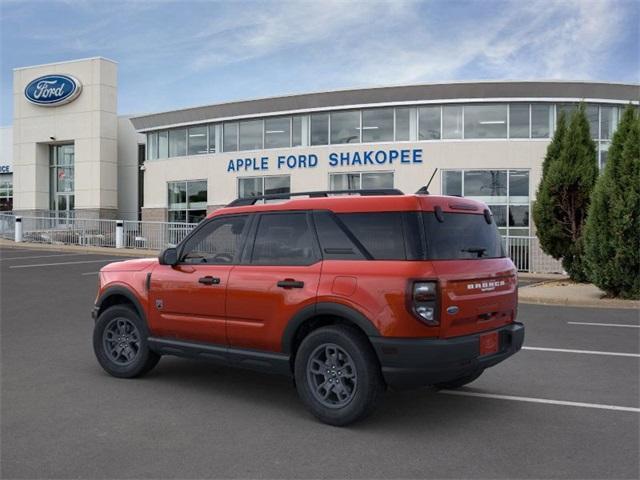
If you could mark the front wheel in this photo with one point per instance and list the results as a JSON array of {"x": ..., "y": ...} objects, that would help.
[
  {"x": 337, "y": 375},
  {"x": 120, "y": 343}
]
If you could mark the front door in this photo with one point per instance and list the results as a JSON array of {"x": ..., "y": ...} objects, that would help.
[
  {"x": 279, "y": 277},
  {"x": 187, "y": 301}
]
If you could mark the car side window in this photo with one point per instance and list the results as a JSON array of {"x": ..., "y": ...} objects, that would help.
[
  {"x": 216, "y": 243},
  {"x": 284, "y": 239}
]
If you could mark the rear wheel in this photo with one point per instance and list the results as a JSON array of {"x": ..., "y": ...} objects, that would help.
[
  {"x": 337, "y": 375},
  {"x": 120, "y": 343},
  {"x": 459, "y": 382}
]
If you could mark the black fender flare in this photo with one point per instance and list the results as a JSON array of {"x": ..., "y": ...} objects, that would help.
[
  {"x": 325, "y": 308},
  {"x": 125, "y": 292}
]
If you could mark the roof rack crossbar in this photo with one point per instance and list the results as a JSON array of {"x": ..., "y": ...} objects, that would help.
[{"x": 241, "y": 202}]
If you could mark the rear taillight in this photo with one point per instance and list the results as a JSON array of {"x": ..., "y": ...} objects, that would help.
[{"x": 424, "y": 296}]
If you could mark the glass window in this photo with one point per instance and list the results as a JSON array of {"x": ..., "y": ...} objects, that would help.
[
  {"x": 197, "y": 140},
  {"x": 403, "y": 124},
  {"x": 177, "y": 195},
  {"x": 6, "y": 192},
  {"x": 541, "y": 120},
  {"x": 452, "y": 183},
  {"x": 485, "y": 121},
  {"x": 461, "y": 236},
  {"x": 429, "y": 123},
  {"x": 608, "y": 122},
  {"x": 376, "y": 180},
  {"x": 178, "y": 142},
  {"x": 320, "y": 129},
  {"x": 452, "y": 121},
  {"x": 277, "y": 184},
  {"x": 345, "y": 127},
  {"x": 187, "y": 201},
  {"x": 499, "y": 214},
  {"x": 257, "y": 186},
  {"x": 519, "y": 186},
  {"x": 230, "y": 137},
  {"x": 377, "y": 125},
  {"x": 251, "y": 135},
  {"x": 217, "y": 243},
  {"x": 519, "y": 216},
  {"x": 604, "y": 152},
  {"x": 486, "y": 184},
  {"x": 284, "y": 239},
  {"x": 568, "y": 109},
  {"x": 519, "y": 120},
  {"x": 152, "y": 146},
  {"x": 212, "y": 138},
  {"x": 163, "y": 144},
  {"x": 197, "y": 194},
  {"x": 62, "y": 179},
  {"x": 379, "y": 233},
  {"x": 277, "y": 132},
  {"x": 344, "y": 181},
  {"x": 592, "y": 116},
  {"x": 296, "y": 131},
  {"x": 249, "y": 187},
  {"x": 335, "y": 243}
]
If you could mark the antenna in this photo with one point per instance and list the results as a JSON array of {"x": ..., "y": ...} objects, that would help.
[{"x": 425, "y": 190}]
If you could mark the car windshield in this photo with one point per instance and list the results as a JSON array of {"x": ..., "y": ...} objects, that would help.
[{"x": 460, "y": 236}]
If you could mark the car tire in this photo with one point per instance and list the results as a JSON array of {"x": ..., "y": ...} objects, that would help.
[
  {"x": 337, "y": 375},
  {"x": 459, "y": 382},
  {"x": 120, "y": 343}
]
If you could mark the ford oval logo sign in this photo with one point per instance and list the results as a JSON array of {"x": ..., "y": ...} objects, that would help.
[{"x": 53, "y": 90}]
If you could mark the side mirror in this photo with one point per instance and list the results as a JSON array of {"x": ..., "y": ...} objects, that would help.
[{"x": 169, "y": 256}]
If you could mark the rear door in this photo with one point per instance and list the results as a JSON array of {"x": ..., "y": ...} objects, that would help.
[
  {"x": 478, "y": 283},
  {"x": 278, "y": 276}
]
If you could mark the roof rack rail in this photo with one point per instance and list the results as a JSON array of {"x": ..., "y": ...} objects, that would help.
[{"x": 241, "y": 202}]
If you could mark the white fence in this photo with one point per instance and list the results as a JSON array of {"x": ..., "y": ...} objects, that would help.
[{"x": 524, "y": 251}]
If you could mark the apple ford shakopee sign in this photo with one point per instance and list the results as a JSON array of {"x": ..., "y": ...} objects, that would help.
[{"x": 53, "y": 90}]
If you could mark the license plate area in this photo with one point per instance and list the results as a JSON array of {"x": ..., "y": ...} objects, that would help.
[{"x": 489, "y": 344}]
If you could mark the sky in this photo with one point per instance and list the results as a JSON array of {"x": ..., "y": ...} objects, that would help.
[{"x": 176, "y": 54}]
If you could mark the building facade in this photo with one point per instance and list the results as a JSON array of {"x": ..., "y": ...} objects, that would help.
[{"x": 484, "y": 140}]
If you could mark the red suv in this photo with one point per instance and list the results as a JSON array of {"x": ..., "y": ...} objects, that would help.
[{"x": 346, "y": 294}]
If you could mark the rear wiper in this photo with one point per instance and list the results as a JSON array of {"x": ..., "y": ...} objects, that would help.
[{"x": 479, "y": 250}]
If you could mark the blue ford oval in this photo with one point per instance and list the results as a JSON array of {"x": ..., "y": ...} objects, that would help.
[{"x": 51, "y": 90}]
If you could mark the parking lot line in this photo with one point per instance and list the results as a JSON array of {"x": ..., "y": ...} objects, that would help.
[
  {"x": 41, "y": 256},
  {"x": 604, "y": 324},
  {"x": 66, "y": 263},
  {"x": 540, "y": 400},
  {"x": 588, "y": 352}
]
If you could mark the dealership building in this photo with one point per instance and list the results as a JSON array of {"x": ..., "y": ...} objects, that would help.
[{"x": 69, "y": 151}]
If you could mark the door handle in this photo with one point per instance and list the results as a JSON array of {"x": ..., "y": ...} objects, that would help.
[
  {"x": 209, "y": 280},
  {"x": 290, "y": 283}
]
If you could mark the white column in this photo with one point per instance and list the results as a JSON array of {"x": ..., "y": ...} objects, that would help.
[
  {"x": 119, "y": 234},
  {"x": 18, "y": 230}
]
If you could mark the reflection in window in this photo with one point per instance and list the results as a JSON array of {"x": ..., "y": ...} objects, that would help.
[
  {"x": 296, "y": 131},
  {"x": 178, "y": 142},
  {"x": 519, "y": 216},
  {"x": 499, "y": 214},
  {"x": 217, "y": 242},
  {"x": 485, "y": 183},
  {"x": 187, "y": 201},
  {"x": 230, "y": 137},
  {"x": 212, "y": 138},
  {"x": 320, "y": 129},
  {"x": 197, "y": 140},
  {"x": 6, "y": 192},
  {"x": 344, "y": 181},
  {"x": 284, "y": 239},
  {"x": 519, "y": 120},
  {"x": 376, "y": 180},
  {"x": 258, "y": 186},
  {"x": 277, "y": 132},
  {"x": 592, "y": 117},
  {"x": 519, "y": 185},
  {"x": 163, "y": 144},
  {"x": 429, "y": 123},
  {"x": 608, "y": 122},
  {"x": 452, "y": 182},
  {"x": 345, "y": 127},
  {"x": 485, "y": 121},
  {"x": 251, "y": 135},
  {"x": 377, "y": 125},
  {"x": 403, "y": 124},
  {"x": 152, "y": 146},
  {"x": 360, "y": 180},
  {"x": 541, "y": 120},
  {"x": 452, "y": 121}
]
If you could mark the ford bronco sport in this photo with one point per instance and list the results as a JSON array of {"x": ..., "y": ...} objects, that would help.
[{"x": 346, "y": 294}]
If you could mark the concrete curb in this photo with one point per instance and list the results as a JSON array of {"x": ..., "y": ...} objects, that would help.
[{"x": 528, "y": 295}]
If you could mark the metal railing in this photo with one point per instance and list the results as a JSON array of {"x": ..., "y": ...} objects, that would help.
[
  {"x": 7, "y": 226},
  {"x": 154, "y": 235},
  {"x": 526, "y": 254},
  {"x": 69, "y": 231}
]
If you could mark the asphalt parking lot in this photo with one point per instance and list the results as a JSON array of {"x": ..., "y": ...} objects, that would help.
[{"x": 567, "y": 406}]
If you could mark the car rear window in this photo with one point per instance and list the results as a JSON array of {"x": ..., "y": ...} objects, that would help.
[{"x": 461, "y": 236}]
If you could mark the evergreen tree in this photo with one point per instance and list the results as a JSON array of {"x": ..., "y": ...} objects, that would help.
[
  {"x": 612, "y": 233},
  {"x": 563, "y": 198}
]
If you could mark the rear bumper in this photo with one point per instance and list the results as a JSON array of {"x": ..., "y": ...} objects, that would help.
[{"x": 410, "y": 363}]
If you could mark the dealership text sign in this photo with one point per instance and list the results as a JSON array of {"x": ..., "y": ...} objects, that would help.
[
  {"x": 363, "y": 158},
  {"x": 52, "y": 90}
]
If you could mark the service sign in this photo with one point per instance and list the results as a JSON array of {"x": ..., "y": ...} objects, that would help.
[{"x": 53, "y": 90}]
